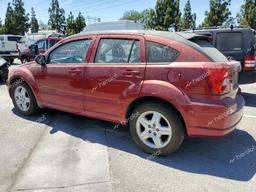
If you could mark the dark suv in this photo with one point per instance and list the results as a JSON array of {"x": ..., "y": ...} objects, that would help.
[{"x": 238, "y": 43}]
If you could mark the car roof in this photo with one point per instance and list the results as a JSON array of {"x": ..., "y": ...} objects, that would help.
[{"x": 165, "y": 34}]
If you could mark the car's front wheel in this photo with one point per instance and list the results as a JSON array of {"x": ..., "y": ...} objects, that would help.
[
  {"x": 156, "y": 128},
  {"x": 24, "y": 99}
]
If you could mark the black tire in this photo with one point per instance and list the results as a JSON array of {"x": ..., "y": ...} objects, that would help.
[
  {"x": 9, "y": 60},
  {"x": 24, "y": 59},
  {"x": 177, "y": 128},
  {"x": 33, "y": 107}
]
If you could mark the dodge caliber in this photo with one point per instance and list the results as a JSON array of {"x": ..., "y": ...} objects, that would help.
[{"x": 164, "y": 86}]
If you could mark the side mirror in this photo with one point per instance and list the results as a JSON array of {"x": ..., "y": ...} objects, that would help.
[{"x": 40, "y": 59}]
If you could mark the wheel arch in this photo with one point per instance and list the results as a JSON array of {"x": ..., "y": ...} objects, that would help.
[
  {"x": 145, "y": 99},
  {"x": 26, "y": 81}
]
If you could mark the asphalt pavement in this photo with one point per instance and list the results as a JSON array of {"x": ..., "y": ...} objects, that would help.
[{"x": 56, "y": 151}]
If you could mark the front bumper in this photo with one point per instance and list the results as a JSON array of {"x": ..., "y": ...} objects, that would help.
[{"x": 215, "y": 120}]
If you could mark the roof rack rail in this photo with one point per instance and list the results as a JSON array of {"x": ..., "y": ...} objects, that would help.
[{"x": 224, "y": 27}]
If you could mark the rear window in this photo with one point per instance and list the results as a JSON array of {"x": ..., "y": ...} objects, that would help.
[
  {"x": 229, "y": 41},
  {"x": 13, "y": 38},
  {"x": 209, "y": 50}
]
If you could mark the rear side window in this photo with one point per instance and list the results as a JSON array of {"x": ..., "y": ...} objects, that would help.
[
  {"x": 210, "y": 51},
  {"x": 118, "y": 51},
  {"x": 13, "y": 38},
  {"x": 229, "y": 41},
  {"x": 158, "y": 53}
]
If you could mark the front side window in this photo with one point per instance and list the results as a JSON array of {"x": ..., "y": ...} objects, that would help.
[
  {"x": 72, "y": 52},
  {"x": 158, "y": 53},
  {"x": 229, "y": 41},
  {"x": 118, "y": 51}
]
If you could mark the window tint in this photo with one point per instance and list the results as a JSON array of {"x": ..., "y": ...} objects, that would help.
[
  {"x": 229, "y": 41},
  {"x": 72, "y": 52},
  {"x": 13, "y": 38},
  {"x": 41, "y": 44},
  {"x": 118, "y": 51},
  {"x": 158, "y": 53}
]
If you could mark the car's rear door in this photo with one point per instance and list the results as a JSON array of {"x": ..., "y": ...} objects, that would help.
[
  {"x": 114, "y": 75},
  {"x": 61, "y": 80}
]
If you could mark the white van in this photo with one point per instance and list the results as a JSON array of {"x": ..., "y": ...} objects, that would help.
[{"x": 8, "y": 47}]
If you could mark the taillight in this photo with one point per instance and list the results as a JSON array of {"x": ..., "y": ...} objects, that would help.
[
  {"x": 249, "y": 63},
  {"x": 219, "y": 80}
]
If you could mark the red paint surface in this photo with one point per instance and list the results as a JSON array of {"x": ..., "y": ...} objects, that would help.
[{"x": 105, "y": 91}]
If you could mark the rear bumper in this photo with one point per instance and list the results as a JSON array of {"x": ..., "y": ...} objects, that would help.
[
  {"x": 215, "y": 120},
  {"x": 246, "y": 77}
]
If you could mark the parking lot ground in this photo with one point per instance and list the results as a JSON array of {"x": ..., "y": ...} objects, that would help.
[{"x": 56, "y": 151}]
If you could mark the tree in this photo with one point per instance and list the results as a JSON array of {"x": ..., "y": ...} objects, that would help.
[
  {"x": 247, "y": 15},
  {"x": 189, "y": 19},
  {"x": 218, "y": 13},
  {"x": 20, "y": 20},
  {"x": 71, "y": 25},
  {"x": 34, "y": 23},
  {"x": 56, "y": 17},
  {"x": 148, "y": 18},
  {"x": 1, "y": 27},
  {"x": 132, "y": 15},
  {"x": 230, "y": 21},
  {"x": 80, "y": 23},
  {"x": 8, "y": 23},
  {"x": 167, "y": 15}
]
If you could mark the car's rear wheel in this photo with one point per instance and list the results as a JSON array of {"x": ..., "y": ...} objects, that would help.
[
  {"x": 24, "y": 99},
  {"x": 156, "y": 128}
]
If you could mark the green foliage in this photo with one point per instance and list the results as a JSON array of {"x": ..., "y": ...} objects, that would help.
[
  {"x": 16, "y": 19},
  {"x": 34, "y": 23},
  {"x": 188, "y": 19},
  {"x": 132, "y": 15},
  {"x": 75, "y": 25},
  {"x": 148, "y": 18},
  {"x": 218, "y": 13},
  {"x": 247, "y": 15},
  {"x": 80, "y": 23},
  {"x": 167, "y": 15},
  {"x": 20, "y": 18},
  {"x": 56, "y": 17}
]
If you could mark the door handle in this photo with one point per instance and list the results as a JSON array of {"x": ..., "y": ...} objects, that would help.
[
  {"x": 131, "y": 73},
  {"x": 74, "y": 71}
]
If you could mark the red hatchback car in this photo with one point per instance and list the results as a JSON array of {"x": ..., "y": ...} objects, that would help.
[{"x": 163, "y": 85}]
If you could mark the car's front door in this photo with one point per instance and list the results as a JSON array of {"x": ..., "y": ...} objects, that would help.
[
  {"x": 114, "y": 75},
  {"x": 61, "y": 79}
]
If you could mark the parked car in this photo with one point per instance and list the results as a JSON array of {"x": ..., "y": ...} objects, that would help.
[
  {"x": 162, "y": 85},
  {"x": 3, "y": 70},
  {"x": 42, "y": 45},
  {"x": 8, "y": 47},
  {"x": 238, "y": 43}
]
